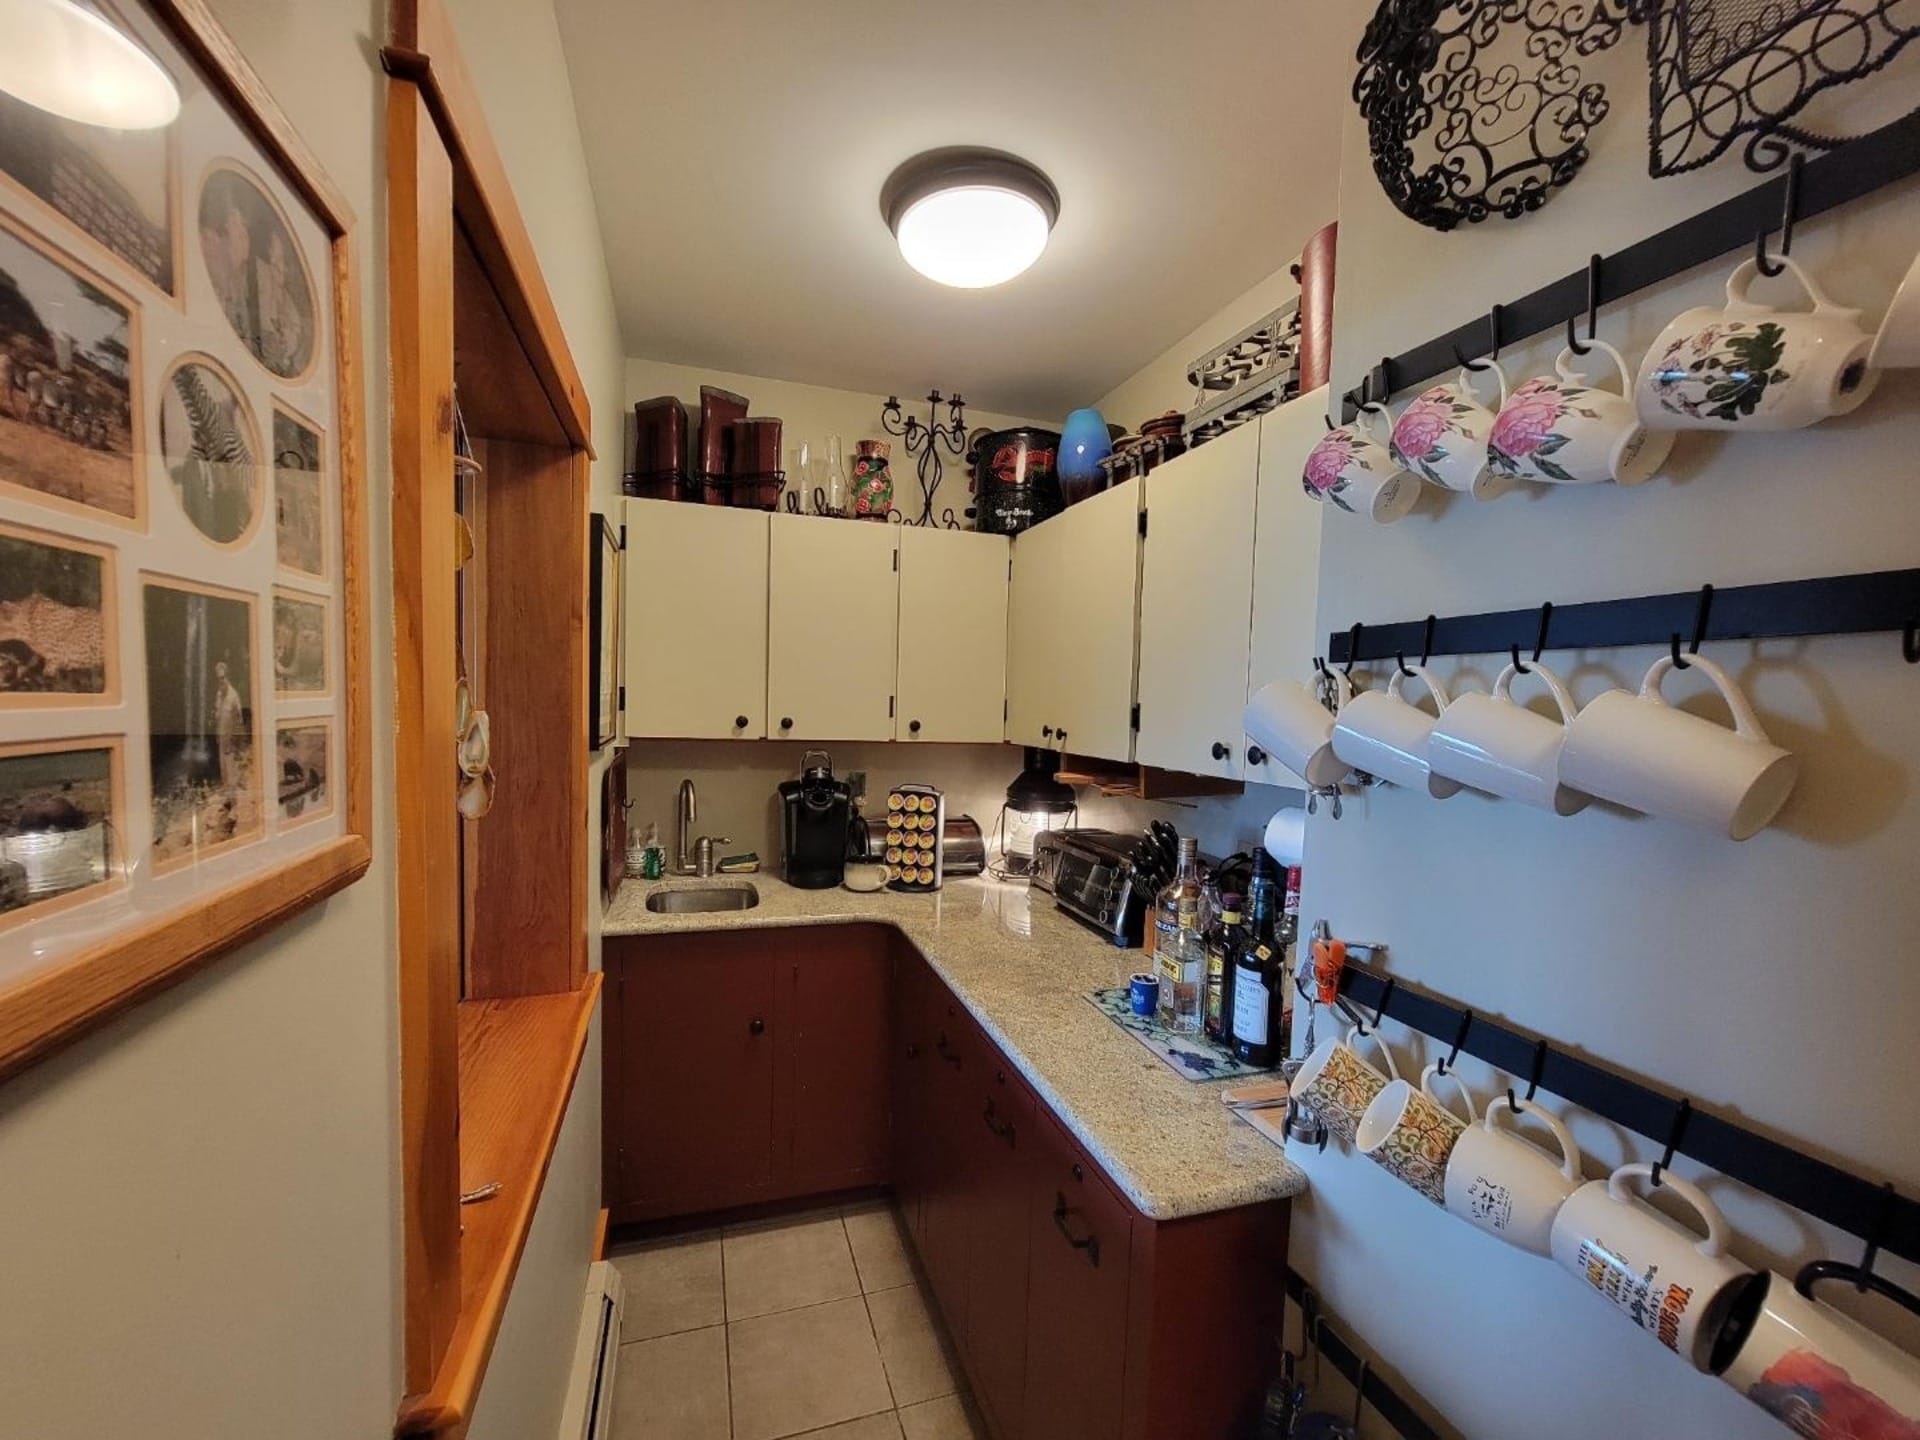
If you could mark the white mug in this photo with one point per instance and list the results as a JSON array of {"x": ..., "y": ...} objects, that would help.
[
  {"x": 1351, "y": 468},
  {"x": 1638, "y": 751},
  {"x": 1896, "y": 344},
  {"x": 1679, "y": 1286},
  {"x": 1442, "y": 435},
  {"x": 1826, "y": 1375},
  {"x": 1506, "y": 1185},
  {"x": 1493, "y": 744},
  {"x": 1287, "y": 720},
  {"x": 1384, "y": 735},
  {"x": 1753, "y": 367},
  {"x": 1561, "y": 430}
]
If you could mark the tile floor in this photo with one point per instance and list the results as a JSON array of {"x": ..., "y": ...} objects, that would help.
[{"x": 811, "y": 1324}]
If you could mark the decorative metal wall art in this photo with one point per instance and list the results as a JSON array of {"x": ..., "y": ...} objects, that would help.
[
  {"x": 1246, "y": 376},
  {"x": 1722, "y": 69},
  {"x": 1478, "y": 106},
  {"x": 924, "y": 443}
]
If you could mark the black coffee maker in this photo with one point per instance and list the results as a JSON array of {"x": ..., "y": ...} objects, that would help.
[{"x": 814, "y": 815}]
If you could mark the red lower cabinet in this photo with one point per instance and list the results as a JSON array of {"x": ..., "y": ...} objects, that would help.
[
  {"x": 959, "y": 1056},
  {"x": 1001, "y": 1166},
  {"x": 1080, "y": 1239}
]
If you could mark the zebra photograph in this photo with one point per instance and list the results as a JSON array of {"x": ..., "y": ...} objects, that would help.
[
  {"x": 208, "y": 442},
  {"x": 67, "y": 349}
]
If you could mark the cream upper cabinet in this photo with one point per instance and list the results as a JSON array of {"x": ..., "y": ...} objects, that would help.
[
  {"x": 832, "y": 618},
  {"x": 696, "y": 621},
  {"x": 1195, "y": 606},
  {"x": 952, "y": 670},
  {"x": 1286, "y": 560},
  {"x": 1073, "y": 628}
]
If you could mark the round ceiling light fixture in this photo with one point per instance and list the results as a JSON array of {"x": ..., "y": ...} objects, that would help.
[
  {"x": 70, "y": 62},
  {"x": 969, "y": 217}
]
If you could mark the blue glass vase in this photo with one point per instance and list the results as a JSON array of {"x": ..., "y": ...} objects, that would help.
[{"x": 1083, "y": 445}]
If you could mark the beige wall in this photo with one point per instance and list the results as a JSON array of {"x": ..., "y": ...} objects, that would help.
[
  {"x": 1769, "y": 979},
  {"x": 199, "y": 1220},
  {"x": 199, "y": 1215}
]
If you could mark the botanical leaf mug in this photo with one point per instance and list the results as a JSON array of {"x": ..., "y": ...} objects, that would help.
[
  {"x": 1442, "y": 435},
  {"x": 1337, "y": 1085},
  {"x": 1353, "y": 470},
  {"x": 1750, "y": 366},
  {"x": 1562, "y": 430}
]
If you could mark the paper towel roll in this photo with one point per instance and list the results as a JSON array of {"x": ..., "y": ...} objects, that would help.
[{"x": 1286, "y": 838}]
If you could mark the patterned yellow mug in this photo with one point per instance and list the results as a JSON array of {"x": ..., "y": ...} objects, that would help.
[
  {"x": 1411, "y": 1135},
  {"x": 1337, "y": 1085}
]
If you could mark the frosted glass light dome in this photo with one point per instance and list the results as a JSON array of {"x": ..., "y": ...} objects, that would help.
[
  {"x": 72, "y": 63},
  {"x": 969, "y": 218}
]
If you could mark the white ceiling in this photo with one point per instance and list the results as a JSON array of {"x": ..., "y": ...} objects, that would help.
[{"x": 737, "y": 150}]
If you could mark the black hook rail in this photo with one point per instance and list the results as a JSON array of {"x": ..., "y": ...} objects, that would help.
[
  {"x": 1845, "y": 173},
  {"x": 1353, "y": 1366},
  {"x": 1832, "y": 605},
  {"x": 1867, "y": 1208}
]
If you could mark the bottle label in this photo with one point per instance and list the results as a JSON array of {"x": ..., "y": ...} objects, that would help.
[
  {"x": 1177, "y": 968},
  {"x": 1250, "y": 1002}
]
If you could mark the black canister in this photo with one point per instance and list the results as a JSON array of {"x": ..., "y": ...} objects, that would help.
[
  {"x": 1015, "y": 478},
  {"x": 814, "y": 815}
]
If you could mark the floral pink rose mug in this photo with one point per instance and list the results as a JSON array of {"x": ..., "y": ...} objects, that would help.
[
  {"x": 1442, "y": 435},
  {"x": 1750, "y": 366},
  {"x": 1351, "y": 469},
  {"x": 1561, "y": 430}
]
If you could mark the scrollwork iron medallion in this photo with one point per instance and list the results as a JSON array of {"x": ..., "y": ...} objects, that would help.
[
  {"x": 1722, "y": 69},
  {"x": 1478, "y": 107}
]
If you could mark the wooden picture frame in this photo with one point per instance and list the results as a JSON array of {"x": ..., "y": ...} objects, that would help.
[
  {"x": 606, "y": 602},
  {"x": 144, "y": 927}
]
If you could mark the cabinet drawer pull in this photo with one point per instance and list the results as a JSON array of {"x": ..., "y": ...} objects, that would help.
[
  {"x": 1001, "y": 1129},
  {"x": 739, "y": 722},
  {"x": 913, "y": 1050},
  {"x": 1088, "y": 1243},
  {"x": 946, "y": 1052},
  {"x": 756, "y": 1026}
]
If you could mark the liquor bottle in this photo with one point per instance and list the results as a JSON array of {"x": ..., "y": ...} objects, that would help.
[
  {"x": 1180, "y": 952},
  {"x": 1223, "y": 937},
  {"x": 1260, "y": 972}
]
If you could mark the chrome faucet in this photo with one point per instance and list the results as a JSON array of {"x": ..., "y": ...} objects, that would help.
[{"x": 702, "y": 862}]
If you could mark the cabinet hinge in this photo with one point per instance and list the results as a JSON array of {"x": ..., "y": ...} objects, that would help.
[
  {"x": 1143, "y": 523},
  {"x": 896, "y": 559},
  {"x": 890, "y": 707},
  {"x": 623, "y": 534},
  {"x": 1006, "y": 710},
  {"x": 1136, "y": 715},
  {"x": 623, "y": 697}
]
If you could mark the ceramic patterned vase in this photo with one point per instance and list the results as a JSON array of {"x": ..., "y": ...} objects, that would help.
[{"x": 872, "y": 480}]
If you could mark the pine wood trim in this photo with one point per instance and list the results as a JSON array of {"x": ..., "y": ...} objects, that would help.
[
  {"x": 424, "y": 51},
  {"x": 518, "y": 1062},
  {"x": 47, "y": 1010}
]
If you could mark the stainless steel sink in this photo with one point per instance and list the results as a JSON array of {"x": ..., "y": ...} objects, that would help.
[{"x": 702, "y": 900}]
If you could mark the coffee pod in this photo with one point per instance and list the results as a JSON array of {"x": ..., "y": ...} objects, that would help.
[
  {"x": 1822, "y": 1373},
  {"x": 1678, "y": 1285}
]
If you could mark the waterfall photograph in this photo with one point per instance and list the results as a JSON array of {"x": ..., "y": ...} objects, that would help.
[{"x": 201, "y": 717}]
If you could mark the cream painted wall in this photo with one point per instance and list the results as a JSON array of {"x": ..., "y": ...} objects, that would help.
[
  {"x": 1768, "y": 979},
  {"x": 512, "y": 48},
  {"x": 199, "y": 1216}
]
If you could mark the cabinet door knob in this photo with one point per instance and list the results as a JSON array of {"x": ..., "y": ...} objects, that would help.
[
  {"x": 1220, "y": 751},
  {"x": 786, "y": 722},
  {"x": 739, "y": 722},
  {"x": 1047, "y": 731},
  {"x": 1060, "y": 735},
  {"x": 756, "y": 1026},
  {"x": 913, "y": 727},
  {"x": 1255, "y": 755}
]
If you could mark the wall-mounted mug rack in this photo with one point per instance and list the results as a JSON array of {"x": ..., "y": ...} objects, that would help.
[
  {"x": 1809, "y": 187},
  {"x": 1872, "y": 1210},
  {"x": 1883, "y": 600},
  {"x": 1407, "y": 1422}
]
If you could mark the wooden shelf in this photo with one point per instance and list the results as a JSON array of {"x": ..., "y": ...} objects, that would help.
[
  {"x": 1141, "y": 782},
  {"x": 518, "y": 1061}
]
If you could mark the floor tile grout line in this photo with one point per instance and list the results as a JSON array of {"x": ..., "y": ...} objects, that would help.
[{"x": 726, "y": 1334}]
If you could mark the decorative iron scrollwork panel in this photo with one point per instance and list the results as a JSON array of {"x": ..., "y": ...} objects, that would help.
[
  {"x": 1723, "y": 69},
  {"x": 1479, "y": 107}
]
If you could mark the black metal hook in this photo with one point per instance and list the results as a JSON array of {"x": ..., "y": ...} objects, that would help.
[
  {"x": 1386, "y": 999},
  {"x": 1874, "y": 1237},
  {"x": 1353, "y": 647},
  {"x": 1910, "y": 643},
  {"x": 1593, "y": 310},
  {"x": 1789, "y": 210},
  {"x": 1682, "y": 1113},
  {"x": 1539, "y": 1064},
  {"x": 1493, "y": 331},
  {"x": 1862, "y": 1275},
  {"x": 1401, "y": 659},
  {"x": 1539, "y": 641},
  {"x": 1701, "y": 611},
  {"x": 1445, "y": 1067},
  {"x": 1426, "y": 641}
]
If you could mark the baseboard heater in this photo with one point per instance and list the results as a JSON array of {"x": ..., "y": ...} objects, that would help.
[{"x": 589, "y": 1410}]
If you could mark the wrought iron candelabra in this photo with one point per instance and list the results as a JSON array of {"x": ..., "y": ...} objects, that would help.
[{"x": 924, "y": 442}]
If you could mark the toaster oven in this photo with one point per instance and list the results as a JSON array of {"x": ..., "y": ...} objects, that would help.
[{"x": 1090, "y": 875}]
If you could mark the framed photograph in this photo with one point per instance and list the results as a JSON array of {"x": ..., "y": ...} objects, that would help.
[
  {"x": 603, "y": 663},
  {"x": 59, "y": 621},
  {"x": 69, "y": 383},
  {"x": 184, "y": 706}
]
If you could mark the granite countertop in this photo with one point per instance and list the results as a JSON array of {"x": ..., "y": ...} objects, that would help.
[{"x": 1024, "y": 970}]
